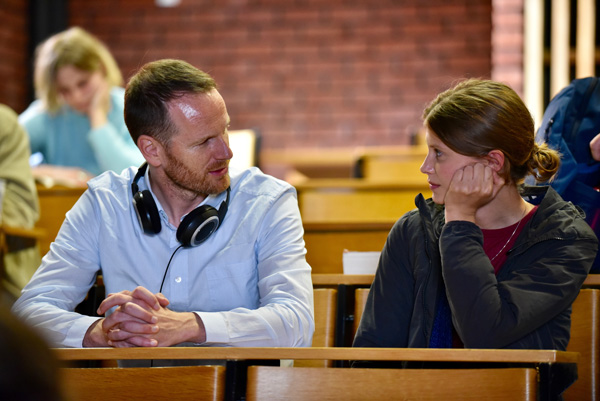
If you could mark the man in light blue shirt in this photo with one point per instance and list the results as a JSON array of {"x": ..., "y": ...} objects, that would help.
[{"x": 189, "y": 251}]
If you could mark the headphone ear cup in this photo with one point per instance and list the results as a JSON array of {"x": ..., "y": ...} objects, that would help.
[
  {"x": 147, "y": 212},
  {"x": 198, "y": 225}
]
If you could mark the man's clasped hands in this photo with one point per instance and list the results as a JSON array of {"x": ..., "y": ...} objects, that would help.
[{"x": 142, "y": 319}]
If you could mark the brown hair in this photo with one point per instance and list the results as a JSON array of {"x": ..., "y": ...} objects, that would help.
[
  {"x": 477, "y": 116},
  {"x": 155, "y": 84}
]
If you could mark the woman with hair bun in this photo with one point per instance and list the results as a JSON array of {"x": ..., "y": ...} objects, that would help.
[{"x": 477, "y": 265}]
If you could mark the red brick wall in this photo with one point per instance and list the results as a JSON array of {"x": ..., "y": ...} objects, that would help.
[
  {"x": 507, "y": 43},
  {"x": 308, "y": 73},
  {"x": 13, "y": 53}
]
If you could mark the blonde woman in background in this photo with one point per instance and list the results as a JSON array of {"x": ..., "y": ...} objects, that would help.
[{"x": 76, "y": 123}]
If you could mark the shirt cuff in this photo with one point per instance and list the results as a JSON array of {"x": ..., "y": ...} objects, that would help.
[
  {"x": 215, "y": 327},
  {"x": 74, "y": 338}
]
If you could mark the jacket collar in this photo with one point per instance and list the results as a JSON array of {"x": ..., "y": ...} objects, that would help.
[{"x": 432, "y": 215}]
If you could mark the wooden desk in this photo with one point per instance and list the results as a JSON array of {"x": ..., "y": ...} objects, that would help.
[
  {"x": 557, "y": 369},
  {"x": 309, "y": 162},
  {"x": 355, "y": 200},
  {"x": 343, "y": 162},
  {"x": 18, "y": 238},
  {"x": 55, "y": 202},
  {"x": 325, "y": 242},
  {"x": 592, "y": 281},
  {"x": 393, "y": 164},
  {"x": 6, "y": 232},
  {"x": 361, "y": 280},
  {"x": 365, "y": 280}
]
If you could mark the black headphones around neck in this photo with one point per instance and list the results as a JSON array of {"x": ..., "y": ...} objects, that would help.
[{"x": 196, "y": 226}]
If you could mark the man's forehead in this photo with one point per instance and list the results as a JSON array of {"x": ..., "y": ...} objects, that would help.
[
  {"x": 186, "y": 109},
  {"x": 194, "y": 105},
  {"x": 191, "y": 106}
]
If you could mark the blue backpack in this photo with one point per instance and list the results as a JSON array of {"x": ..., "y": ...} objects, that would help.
[{"x": 570, "y": 122}]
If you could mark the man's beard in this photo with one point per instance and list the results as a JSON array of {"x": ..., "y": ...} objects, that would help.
[{"x": 194, "y": 181}]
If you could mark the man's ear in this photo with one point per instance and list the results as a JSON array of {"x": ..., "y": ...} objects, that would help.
[
  {"x": 495, "y": 159},
  {"x": 151, "y": 149}
]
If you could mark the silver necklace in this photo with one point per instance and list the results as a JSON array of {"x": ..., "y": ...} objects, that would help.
[{"x": 513, "y": 233}]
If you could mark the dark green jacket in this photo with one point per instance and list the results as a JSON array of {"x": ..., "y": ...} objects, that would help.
[{"x": 527, "y": 306}]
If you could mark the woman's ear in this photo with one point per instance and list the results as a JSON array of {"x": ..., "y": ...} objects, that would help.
[
  {"x": 151, "y": 149},
  {"x": 495, "y": 159}
]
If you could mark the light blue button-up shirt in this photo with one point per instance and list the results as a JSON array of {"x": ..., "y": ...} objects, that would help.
[{"x": 249, "y": 281}]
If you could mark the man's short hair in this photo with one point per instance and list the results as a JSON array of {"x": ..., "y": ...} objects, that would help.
[{"x": 152, "y": 87}]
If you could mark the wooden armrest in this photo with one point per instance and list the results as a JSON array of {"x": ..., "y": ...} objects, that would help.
[
  {"x": 14, "y": 239},
  {"x": 32, "y": 233}
]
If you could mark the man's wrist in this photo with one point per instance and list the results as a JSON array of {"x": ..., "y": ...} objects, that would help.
[{"x": 94, "y": 336}]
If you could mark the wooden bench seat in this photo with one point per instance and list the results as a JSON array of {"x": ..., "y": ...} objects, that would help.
[
  {"x": 181, "y": 383},
  {"x": 301, "y": 384}
]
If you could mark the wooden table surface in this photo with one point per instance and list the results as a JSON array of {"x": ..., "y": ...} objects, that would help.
[
  {"x": 592, "y": 280},
  {"x": 335, "y": 353}
]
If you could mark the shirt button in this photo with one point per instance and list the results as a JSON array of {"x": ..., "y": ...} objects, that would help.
[{"x": 178, "y": 279}]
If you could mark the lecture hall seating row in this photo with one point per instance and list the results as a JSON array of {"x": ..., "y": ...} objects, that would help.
[
  {"x": 333, "y": 220},
  {"x": 508, "y": 374},
  {"x": 584, "y": 340},
  {"x": 363, "y": 189},
  {"x": 325, "y": 241},
  {"x": 359, "y": 209}
]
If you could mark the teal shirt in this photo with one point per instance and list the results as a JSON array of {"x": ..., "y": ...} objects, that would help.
[{"x": 66, "y": 138}]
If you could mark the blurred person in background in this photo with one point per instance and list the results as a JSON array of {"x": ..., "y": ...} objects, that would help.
[
  {"x": 19, "y": 205},
  {"x": 76, "y": 123},
  {"x": 29, "y": 371}
]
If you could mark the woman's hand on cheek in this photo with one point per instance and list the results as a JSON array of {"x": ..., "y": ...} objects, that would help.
[
  {"x": 471, "y": 187},
  {"x": 100, "y": 104}
]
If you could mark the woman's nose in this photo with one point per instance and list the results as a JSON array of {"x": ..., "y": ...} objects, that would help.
[{"x": 426, "y": 167}]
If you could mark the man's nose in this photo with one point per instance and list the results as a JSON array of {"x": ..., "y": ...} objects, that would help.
[{"x": 225, "y": 152}]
